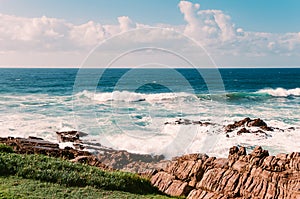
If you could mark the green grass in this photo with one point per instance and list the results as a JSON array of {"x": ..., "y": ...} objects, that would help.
[
  {"x": 39, "y": 176},
  {"x": 16, "y": 187}
]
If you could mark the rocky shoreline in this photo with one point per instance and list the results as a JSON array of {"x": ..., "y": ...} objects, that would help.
[{"x": 241, "y": 175}]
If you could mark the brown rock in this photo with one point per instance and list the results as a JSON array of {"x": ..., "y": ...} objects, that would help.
[
  {"x": 257, "y": 122},
  {"x": 162, "y": 180},
  {"x": 70, "y": 136},
  {"x": 256, "y": 175},
  {"x": 178, "y": 188},
  {"x": 239, "y": 166},
  {"x": 243, "y": 130}
]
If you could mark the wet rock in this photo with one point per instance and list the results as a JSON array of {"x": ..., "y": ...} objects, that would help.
[
  {"x": 182, "y": 121},
  {"x": 247, "y": 122},
  {"x": 256, "y": 122},
  {"x": 70, "y": 136},
  {"x": 236, "y": 124},
  {"x": 243, "y": 130}
]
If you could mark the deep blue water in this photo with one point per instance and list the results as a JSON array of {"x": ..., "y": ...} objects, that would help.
[{"x": 61, "y": 81}]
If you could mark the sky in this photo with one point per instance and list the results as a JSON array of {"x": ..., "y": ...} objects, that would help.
[{"x": 52, "y": 33}]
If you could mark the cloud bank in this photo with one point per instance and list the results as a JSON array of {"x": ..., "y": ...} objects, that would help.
[{"x": 54, "y": 38}]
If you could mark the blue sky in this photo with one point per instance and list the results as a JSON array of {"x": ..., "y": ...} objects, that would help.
[
  {"x": 234, "y": 32},
  {"x": 251, "y": 15}
]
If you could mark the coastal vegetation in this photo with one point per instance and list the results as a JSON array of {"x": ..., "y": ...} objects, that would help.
[{"x": 26, "y": 176}]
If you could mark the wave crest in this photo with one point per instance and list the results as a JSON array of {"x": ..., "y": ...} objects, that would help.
[
  {"x": 126, "y": 96},
  {"x": 281, "y": 92}
]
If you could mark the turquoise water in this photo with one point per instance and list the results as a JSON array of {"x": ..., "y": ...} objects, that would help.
[{"x": 127, "y": 108}]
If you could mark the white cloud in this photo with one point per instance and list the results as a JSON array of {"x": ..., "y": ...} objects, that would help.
[
  {"x": 212, "y": 28},
  {"x": 215, "y": 30},
  {"x": 125, "y": 23},
  {"x": 206, "y": 24}
]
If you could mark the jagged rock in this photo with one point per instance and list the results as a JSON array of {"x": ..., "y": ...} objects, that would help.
[
  {"x": 168, "y": 184},
  {"x": 247, "y": 122},
  {"x": 256, "y": 122},
  {"x": 256, "y": 175},
  {"x": 236, "y": 124},
  {"x": 243, "y": 130},
  {"x": 70, "y": 136}
]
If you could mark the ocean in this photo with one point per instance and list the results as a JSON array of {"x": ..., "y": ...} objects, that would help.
[{"x": 136, "y": 109}]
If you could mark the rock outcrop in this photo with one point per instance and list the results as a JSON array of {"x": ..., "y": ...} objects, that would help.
[
  {"x": 247, "y": 122},
  {"x": 241, "y": 175},
  {"x": 34, "y": 145},
  {"x": 245, "y": 126},
  {"x": 105, "y": 158}
]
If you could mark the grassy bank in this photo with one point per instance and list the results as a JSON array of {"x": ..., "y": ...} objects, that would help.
[
  {"x": 27, "y": 175},
  {"x": 16, "y": 187}
]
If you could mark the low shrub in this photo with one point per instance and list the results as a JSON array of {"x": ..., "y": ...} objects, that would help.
[{"x": 6, "y": 149}]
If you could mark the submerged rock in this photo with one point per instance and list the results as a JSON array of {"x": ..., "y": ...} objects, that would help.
[{"x": 182, "y": 121}]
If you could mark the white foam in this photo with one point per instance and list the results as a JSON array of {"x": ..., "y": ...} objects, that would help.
[
  {"x": 281, "y": 92},
  {"x": 139, "y": 127},
  {"x": 125, "y": 96}
]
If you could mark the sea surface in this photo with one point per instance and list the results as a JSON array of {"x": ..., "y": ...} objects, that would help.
[{"x": 129, "y": 108}]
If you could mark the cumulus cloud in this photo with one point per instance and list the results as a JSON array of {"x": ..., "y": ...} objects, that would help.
[
  {"x": 20, "y": 33},
  {"x": 206, "y": 24},
  {"x": 126, "y": 23},
  {"x": 212, "y": 28},
  {"x": 215, "y": 30}
]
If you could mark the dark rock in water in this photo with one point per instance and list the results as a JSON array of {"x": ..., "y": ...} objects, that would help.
[
  {"x": 243, "y": 130},
  {"x": 183, "y": 121},
  {"x": 242, "y": 122},
  {"x": 236, "y": 124},
  {"x": 247, "y": 122},
  {"x": 70, "y": 136},
  {"x": 256, "y": 175},
  {"x": 256, "y": 122},
  {"x": 188, "y": 122},
  {"x": 267, "y": 128},
  {"x": 197, "y": 122}
]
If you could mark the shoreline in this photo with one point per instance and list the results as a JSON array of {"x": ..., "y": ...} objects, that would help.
[
  {"x": 255, "y": 174},
  {"x": 240, "y": 175}
]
